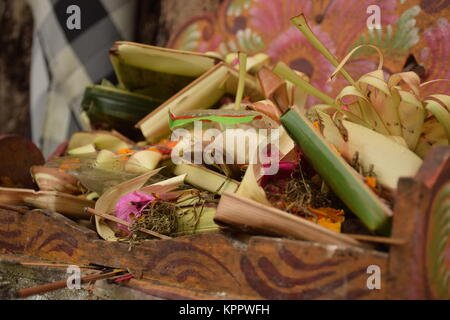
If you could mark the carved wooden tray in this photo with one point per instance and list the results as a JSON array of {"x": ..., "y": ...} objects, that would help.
[{"x": 222, "y": 266}]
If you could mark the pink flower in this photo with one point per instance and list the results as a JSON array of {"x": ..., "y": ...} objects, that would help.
[
  {"x": 130, "y": 206},
  {"x": 284, "y": 172},
  {"x": 271, "y": 17}
]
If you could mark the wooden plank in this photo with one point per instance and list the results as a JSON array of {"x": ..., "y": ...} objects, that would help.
[
  {"x": 412, "y": 266},
  {"x": 206, "y": 264}
]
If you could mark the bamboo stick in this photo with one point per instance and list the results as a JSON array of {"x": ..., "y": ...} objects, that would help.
[
  {"x": 13, "y": 208},
  {"x": 23, "y": 293},
  {"x": 367, "y": 238},
  {"x": 338, "y": 174},
  {"x": 51, "y": 265},
  {"x": 245, "y": 213},
  {"x": 117, "y": 220}
]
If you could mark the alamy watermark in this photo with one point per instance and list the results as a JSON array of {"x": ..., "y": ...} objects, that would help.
[
  {"x": 374, "y": 20},
  {"x": 374, "y": 280},
  {"x": 73, "y": 21},
  {"x": 74, "y": 280}
]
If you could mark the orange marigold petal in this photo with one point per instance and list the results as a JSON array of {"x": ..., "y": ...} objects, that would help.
[
  {"x": 327, "y": 223},
  {"x": 125, "y": 151},
  {"x": 371, "y": 182}
]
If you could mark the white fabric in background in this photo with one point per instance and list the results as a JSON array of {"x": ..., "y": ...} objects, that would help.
[{"x": 65, "y": 61}]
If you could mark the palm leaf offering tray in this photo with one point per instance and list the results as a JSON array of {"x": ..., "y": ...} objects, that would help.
[{"x": 209, "y": 176}]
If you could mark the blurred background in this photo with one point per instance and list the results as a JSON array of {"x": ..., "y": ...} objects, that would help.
[
  {"x": 44, "y": 66},
  {"x": 154, "y": 21}
]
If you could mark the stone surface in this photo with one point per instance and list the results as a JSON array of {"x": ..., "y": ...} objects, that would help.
[{"x": 15, "y": 277}]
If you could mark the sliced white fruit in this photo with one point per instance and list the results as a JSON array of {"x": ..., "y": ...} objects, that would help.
[
  {"x": 89, "y": 148},
  {"x": 108, "y": 160},
  {"x": 143, "y": 161}
]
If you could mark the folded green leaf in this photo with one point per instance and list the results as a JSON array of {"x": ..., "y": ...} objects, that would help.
[
  {"x": 157, "y": 72},
  {"x": 389, "y": 160},
  {"x": 441, "y": 114},
  {"x": 226, "y": 117},
  {"x": 111, "y": 108},
  {"x": 206, "y": 179},
  {"x": 203, "y": 93}
]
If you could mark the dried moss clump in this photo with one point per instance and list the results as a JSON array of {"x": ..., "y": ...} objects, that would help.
[{"x": 159, "y": 216}]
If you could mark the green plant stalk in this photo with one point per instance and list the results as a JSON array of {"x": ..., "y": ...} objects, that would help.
[
  {"x": 301, "y": 24},
  {"x": 338, "y": 174},
  {"x": 287, "y": 73},
  {"x": 241, "y": 84}
]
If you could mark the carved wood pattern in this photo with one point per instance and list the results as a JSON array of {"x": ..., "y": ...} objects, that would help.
[
  {"x": 420, "y": 269},
  {"x": 211, "y": 264}
]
